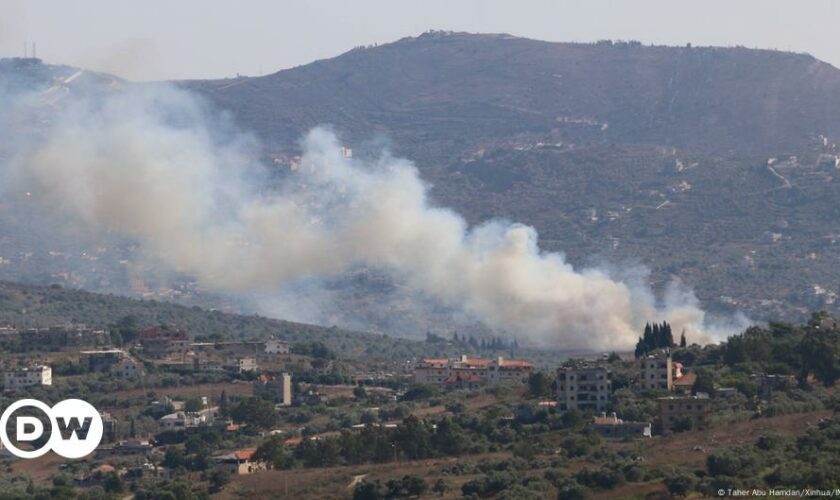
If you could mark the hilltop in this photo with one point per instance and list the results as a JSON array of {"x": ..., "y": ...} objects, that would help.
[
  {"x": 712, "y": 165},
  {"x": 614, "y": 151},
  {"x": 449, "y": 89}
]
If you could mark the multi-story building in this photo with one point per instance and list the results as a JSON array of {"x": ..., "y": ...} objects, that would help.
[
  {"x": 15, "y": 380},
  {"x": 467, "y": 372},
  {"x": 505, "y": 370},
  {"x": 433, "y": 371},
  {"x": 673, "y": 410},
  {"x": 278, "y": 389},
  {"x": 584, "y": 387},
  {"x": 276, "y": 346},
  {"x": 159, "y": 342},
  {"x": 656, "y": 371},
  {"x": 102, "y": 359}
]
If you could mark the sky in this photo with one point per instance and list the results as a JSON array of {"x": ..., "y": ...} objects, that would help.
[{"x": 166, "y": 39}]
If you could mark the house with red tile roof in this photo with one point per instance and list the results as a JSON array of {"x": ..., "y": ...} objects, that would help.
[{"x": 239, "y": 462}]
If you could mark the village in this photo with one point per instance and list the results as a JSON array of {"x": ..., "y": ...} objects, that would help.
[{"x": 176, "y": 402}]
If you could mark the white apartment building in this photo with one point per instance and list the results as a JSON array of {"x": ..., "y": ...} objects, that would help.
[
  {"x": 15, "y": 380},
  {"x": 656, "y": 371}
]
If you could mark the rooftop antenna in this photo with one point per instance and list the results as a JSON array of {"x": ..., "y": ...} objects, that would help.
[
  {"x": 25, "y": 46},
  {"x": 34, "y": 52}
]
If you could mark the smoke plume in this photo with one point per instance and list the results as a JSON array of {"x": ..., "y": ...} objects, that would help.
[{"x": 151, "y": 163}]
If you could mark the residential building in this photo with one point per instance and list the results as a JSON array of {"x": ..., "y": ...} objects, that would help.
[
  {"x": 15, "y": 380},
  {"x": 183, "y": 420},
  {"x": 656, "y": 371},
  {"x": 466, "y": 371},
  {"x": 431, "y": 371},
  {"x": 507, "y": 370},
  {"x": 458, "y": 380},
  {"x": 279, "y": 388},
  {"x": 676, "y": 409},
  {"x": 164, "y": 406},
  {"x": 276, "y": 346},
  {"x": 584, "y": 387},
  {"x": 239, "y": 462},
  {"x": 160, "y": 342},
  {"x": 109, "y": 427},
  {"x": 613, "y": 427},
  {"x": 242, "y": 364},
  {"x": 102, "y": 359},
  {"x": 127, "y": 367}
]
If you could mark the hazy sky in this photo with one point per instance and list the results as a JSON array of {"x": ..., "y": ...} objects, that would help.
[{"x": 163, "y": 39}]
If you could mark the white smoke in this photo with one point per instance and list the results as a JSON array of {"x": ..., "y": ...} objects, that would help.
[{"x": 152, "y": 164}]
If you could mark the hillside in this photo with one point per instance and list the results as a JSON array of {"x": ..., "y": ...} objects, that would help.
[
  {"x": 25, "y": 306},
  {"x": 613, "y": 151},
  {"x": 711, "y": 165},
  {"x": 448, "y": 90}
]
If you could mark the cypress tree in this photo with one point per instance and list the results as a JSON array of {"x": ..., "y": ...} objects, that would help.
[
  {"x": 647, "y": 339},
  {"x": 669, "y": 335},
  {"x": 640, "y": 348}
]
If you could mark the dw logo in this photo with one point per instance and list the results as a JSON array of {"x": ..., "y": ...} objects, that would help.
[{"x": 75, "y": 428}]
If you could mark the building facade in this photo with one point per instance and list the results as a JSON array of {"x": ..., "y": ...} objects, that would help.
[
  {"x": 675, "y": 411},
  {"x": 242, "y": 364},
  {"x": 467, "y": 372},
  {"x": 15, "y": 380},
  {"x": 584, "y": 387},
  {"x": 159, "y": 342},
  {"x": 276, "y": 346},
  {"x": 656, "y": 371},
  {"x": 127, "y": 368}
]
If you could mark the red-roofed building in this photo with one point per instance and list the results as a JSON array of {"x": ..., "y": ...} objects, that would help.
[
  {"x": 431, "y": 371},
  {"x": 239, "y": 462}
]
